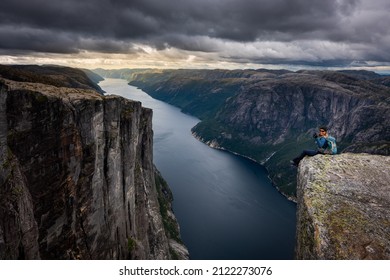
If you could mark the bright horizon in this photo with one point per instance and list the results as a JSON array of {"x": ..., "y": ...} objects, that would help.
[{"x": 115, "y": 63}]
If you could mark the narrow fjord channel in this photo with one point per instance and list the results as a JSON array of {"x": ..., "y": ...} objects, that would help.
[{"x": 226, "y": 205}]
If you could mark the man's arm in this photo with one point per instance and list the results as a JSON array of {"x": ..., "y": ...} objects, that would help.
[{"x": 321, "y": 142}]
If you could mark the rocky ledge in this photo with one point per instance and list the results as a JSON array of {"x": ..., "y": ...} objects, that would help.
[{"x": 343, "y": 207}]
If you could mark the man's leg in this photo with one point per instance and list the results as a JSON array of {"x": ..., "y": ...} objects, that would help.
[{"x": 303, "y": 154}]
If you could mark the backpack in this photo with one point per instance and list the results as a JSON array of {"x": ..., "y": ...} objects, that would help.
[{"x": 331, "y": 145}]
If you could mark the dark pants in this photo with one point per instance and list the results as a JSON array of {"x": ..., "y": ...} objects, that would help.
[{"x": 305, "y": 153}]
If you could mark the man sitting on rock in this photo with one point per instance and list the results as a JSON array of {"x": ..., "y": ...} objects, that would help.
[{"x": 326, "y": 146}]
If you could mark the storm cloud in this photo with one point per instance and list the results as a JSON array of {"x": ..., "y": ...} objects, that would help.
[{"x": 242, "y": 31}]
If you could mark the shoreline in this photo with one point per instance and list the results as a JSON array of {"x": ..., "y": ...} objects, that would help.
[{"x": 215, "y": 145}]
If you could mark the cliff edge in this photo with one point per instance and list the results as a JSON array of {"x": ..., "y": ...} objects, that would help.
[
  {"x": 77, "y": 180},
  {"x": 343, "y": 207}
]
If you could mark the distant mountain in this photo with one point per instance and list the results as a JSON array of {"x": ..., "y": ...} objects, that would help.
[
  {"x": 118, "y": 73},
  {"x": 58, "y": 76},
  {"x": 96, "y": 78},
  {"x": 270, "y": 115}
]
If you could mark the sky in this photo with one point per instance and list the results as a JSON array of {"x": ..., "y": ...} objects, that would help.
[{"x": 228, "y": 34}]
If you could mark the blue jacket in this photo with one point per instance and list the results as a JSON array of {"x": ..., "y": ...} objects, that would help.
[
  {"x": 326, "y": 145},
  {"x": 321, "y": 142}
]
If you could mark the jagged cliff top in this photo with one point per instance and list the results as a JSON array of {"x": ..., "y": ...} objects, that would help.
[{"x": 344, "y": 207}]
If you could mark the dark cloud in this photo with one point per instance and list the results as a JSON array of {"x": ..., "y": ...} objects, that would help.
[
  {"x": 40, "y": 40},
  {"x": 69, "y": 26}
]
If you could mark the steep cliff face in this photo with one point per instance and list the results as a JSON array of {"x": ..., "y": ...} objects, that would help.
[
  {"x": 294, "y": 103},
  {"x": 77, "y": 179},
  {"x": 343, "y": 207}
]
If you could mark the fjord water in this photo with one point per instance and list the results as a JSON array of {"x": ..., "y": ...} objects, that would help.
[{"x": 225, "y": 204}]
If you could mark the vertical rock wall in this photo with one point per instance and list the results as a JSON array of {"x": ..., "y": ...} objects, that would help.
[{"x": 77, "y": 178}]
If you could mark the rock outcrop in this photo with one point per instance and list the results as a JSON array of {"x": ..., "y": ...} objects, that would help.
[
  {"x": 343, "y": 207},
  {"x": 77, "y": 179}
]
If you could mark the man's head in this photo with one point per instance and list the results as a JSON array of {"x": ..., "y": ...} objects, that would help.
[{"x": 323, "y": 130}]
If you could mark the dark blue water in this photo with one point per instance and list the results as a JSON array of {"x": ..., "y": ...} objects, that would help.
[{"x": 225, "y": 204}]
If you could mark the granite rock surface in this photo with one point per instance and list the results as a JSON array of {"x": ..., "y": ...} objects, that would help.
[{"x": 343, "y": 207}]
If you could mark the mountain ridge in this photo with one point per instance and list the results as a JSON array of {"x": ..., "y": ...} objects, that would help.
[{"x": 59, "y": 76}]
